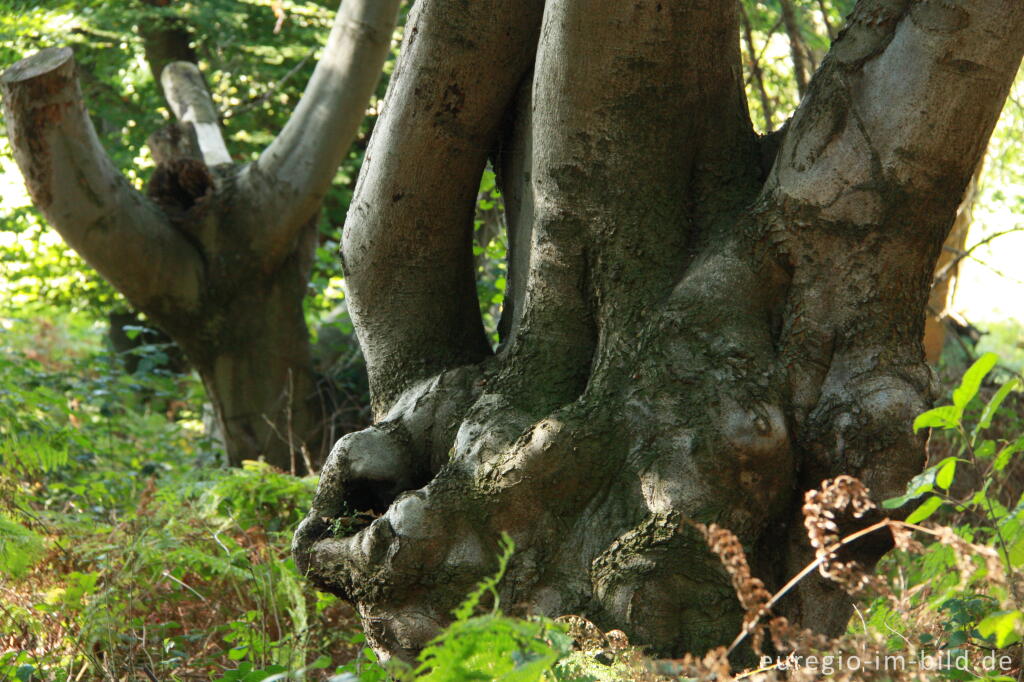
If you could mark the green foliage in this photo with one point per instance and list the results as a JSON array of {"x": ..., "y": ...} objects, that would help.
[
  {"x": 480, "y": 646},
  {"x": 492, "y": 646},
  {"x": 124, "y": 547},
  {"x": 971, "y": 491},
  {"x": 490, "y": 249},
  {"x": 20, "y": 548}
]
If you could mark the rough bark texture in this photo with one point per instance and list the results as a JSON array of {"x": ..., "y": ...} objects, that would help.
[
  {"x": 218, "y": 256},
  {"x": 690, "y": 336}
]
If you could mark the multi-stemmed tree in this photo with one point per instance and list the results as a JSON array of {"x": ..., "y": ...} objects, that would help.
[
  {"x": 217, "y": 254},
  {"x": 699, "y": 323}
]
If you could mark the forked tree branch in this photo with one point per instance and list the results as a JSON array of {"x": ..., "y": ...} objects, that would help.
[
  {"x": 293, "y": 174},
  {"x": 72, "y": 181}
]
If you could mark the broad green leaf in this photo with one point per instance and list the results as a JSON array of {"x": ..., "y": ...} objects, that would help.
[
  {"x": 925, "y": 510},
  {"x": 1002, "y": 626},
  {"x": 972, "y": 379},
  {"x": 946, "y": 471},
  {"x": 985, "y": 450},
  {"x": 990, "y": 410},
  {"x": 919, "y": 485},
  {"x": 320, "y": 663},
  {"x": 945, "y": 417}
]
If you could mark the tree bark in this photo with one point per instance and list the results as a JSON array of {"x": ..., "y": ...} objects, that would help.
[
  {"x": 218, "y": 256},
  {"x": 165, "y": 40},
  {"x": 692, "y": 337}
]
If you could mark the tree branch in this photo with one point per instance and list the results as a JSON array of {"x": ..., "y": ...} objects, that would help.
[
  {"x": 829, "y": 29},
  {"x": 165, "y": 39},
  {"x": 796, "y": 45},
  {"x": 865, "y": 188},
  {"x": 294, "y": 173},
  {"x": 407, "y": 241},
  {"x": 902, "y": 108},
  {"x": 186, "y": 93},
  {"x": 72, "y": 181}
]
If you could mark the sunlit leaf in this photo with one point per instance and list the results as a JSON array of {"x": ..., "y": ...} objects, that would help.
[
  {"x": 972, "y": 379},
  {"x": 1001, "y": 627},
  {"x": 927, "y": 508},
  {"x": 990, "y": 409},
  {"x": 1008, "y": 451},
  {"x": 945, "y": 417},
  {"x": 920, "y": 485},
  {"x": 946, "y": 471}
]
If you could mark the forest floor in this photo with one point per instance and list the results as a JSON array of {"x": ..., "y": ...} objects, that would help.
[{"x": 129, "y": 552}]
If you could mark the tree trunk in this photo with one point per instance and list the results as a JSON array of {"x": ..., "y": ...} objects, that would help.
[
  {"x": 165, "y": 40},
  {"x": 690, "y": 337},
  {"x": 217, "y": 255}
]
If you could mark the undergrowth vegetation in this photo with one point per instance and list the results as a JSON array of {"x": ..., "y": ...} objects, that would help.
[{"x": 127, "y": 551}]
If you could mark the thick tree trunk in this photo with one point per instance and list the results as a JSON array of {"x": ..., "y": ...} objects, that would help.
[
  {"x": 690, "y": 337},
  {"x": 250, "y": 345},
  {"x": 218, "y": 256}
]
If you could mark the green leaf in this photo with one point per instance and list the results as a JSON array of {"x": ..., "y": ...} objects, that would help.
[
  {"x": 919, "y": 485},
  {"x": 1001, "y": 626},
  {"x": 972, "y": 379},
  {"x": 985, "y": 450},
  {"x": 945, "y": 417},
  {"x": 1017, "y": 552},
  {"x": 1003, "y": 458},
  {"x": 990, "y": 410},
  {"x": 946, "y": 471},
  {"x": 320, "y": 663},
  {"x": 957, "y": 638},
  {"x": 925, "y": 510}
]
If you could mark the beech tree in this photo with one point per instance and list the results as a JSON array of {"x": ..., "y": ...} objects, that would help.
[
  {"x": 217, "y": 254},
  {"x": 699, "y": 323}
]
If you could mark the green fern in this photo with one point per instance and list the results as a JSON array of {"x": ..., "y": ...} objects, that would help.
[
  {"x": 493, "y": 646},
  {"x": 20, "y": 548},
  {"x": 34, "y": 453}
]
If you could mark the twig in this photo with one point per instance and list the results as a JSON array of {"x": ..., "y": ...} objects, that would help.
[
  {"x": 885, "y": 523},
  {"x": 188, "y": 587},
  {"x": 961, "y": 254},
  {"x": 242, "y": 108}
]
